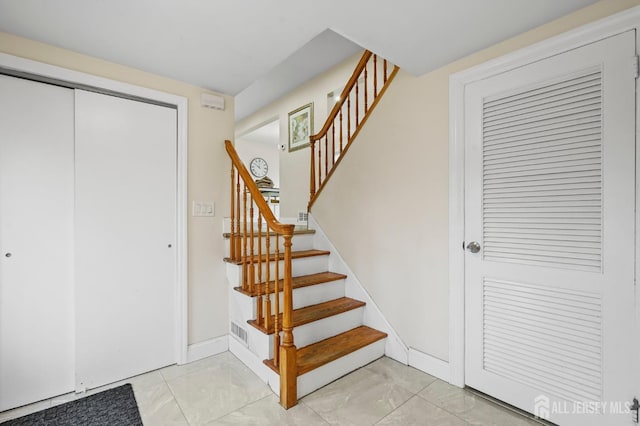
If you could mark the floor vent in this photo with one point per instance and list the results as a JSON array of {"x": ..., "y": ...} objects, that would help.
[{"x": 239, "y": 332}]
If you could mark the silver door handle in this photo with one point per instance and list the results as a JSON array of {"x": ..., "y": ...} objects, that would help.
[
  {"x": 473, "y": 247},
  {"x": 7, "y": 255}
]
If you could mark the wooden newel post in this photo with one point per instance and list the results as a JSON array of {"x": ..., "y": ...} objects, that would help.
[
  {"x": 232, "y": 238},
  {"x": 288, "y": 366},
  {"x": 313, "y": 169}
]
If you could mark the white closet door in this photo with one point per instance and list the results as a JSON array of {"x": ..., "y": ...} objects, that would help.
[
  {"x": 550, "y": 198},
  {"x": 125, "y": 238},
  {"x": 36, "y": 241}
]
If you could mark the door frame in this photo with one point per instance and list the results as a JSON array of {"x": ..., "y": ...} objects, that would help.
[
  {"x": 587, "y": 34},
  {"x": 46, "y": 72}
]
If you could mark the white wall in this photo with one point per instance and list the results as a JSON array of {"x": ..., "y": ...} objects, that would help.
[
  {"x": 392, "y": 192},
  {"x": 294, "y": 166},
  {"x": 208, "y": 173},
  {"x": 248, "y": 150},
  {"x": 263, "y": 144}
]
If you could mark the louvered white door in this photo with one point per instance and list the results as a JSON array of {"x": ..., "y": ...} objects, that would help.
[{"x": 550, "y": 195}]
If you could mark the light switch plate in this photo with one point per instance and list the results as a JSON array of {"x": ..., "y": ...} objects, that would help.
[{"x": 203, "y": 209}]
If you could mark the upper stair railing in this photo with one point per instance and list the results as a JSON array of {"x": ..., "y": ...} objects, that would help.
[
  {"x": 360, "y": 96},
  {"x": 255, "y": 243}
]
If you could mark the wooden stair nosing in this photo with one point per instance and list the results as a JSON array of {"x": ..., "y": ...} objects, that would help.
[
  {"x": 325, "y": 351},
  {"x": 272, "y": 257},
  {"x": 297, "y": 282},
  {"x": 313, "y": 313},
  {"x": 227, "y": 235}
]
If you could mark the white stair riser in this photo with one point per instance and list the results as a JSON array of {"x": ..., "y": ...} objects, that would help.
[
  {"x": 241, "y": 308},
  {"x": 300, "y": 266},
  {"x": 302, "y": 296},
  {"x": 322, "y": 376},
  {"x": 315, "y": 331},
  {"x": 262, "y": 344},
  {"x": 312, "y": 295},
  {"x": 299, "y": 242},
  {"x": 319, "y": 293},
  {"x": 307, "y": 266}
]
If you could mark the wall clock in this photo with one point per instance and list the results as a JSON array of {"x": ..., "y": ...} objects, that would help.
[{"x": 258, "y": 167}]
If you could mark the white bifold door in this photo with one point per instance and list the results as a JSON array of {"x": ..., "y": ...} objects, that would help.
[
  {"x": 87, "y": 239},
  {"x": 550, "y": 232}
]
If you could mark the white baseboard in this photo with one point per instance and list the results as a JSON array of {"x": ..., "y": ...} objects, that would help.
[
  {"x": 207, "y": 348},
  {"x": 430, "y": 365}
]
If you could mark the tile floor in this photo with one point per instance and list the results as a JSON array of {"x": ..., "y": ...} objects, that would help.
[{"x": 220, "y": 390}]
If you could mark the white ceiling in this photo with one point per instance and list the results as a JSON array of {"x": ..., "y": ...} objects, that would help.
[
  {"x": 321, "y": 53},
  {"x": 232, "y": 45}
]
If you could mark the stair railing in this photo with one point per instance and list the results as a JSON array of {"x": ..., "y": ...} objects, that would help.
[
  {"x": 360, "y": 96},
  {"x": 250, "y": 247}
]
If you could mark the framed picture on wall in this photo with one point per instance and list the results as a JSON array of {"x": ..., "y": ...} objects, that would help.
[{"x": 300, "y": 127}]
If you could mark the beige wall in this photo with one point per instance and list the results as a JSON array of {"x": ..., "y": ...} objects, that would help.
[
  {"x": 294, "y": 166},
  {"x": 392, "y": 189},
  {"x": 207, "y": 175}
]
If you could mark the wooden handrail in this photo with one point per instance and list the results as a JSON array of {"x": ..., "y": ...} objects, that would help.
[
  {"x": 323, "y": 144},
  {"x": 244, "y": 250},
  {"x": 343, "y": 96}
]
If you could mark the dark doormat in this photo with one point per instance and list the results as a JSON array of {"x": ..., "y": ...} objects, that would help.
[{"x": 113, "y": 407}]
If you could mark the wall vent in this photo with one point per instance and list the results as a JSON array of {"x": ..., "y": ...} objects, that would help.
[
  {"x": 239, "y": 332},
  {"x": 303, "y": 217}
]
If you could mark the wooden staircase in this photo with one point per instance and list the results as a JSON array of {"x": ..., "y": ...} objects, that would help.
[
  {"x": 327, "y": 326},
  {"x": 298, "y": 320}
]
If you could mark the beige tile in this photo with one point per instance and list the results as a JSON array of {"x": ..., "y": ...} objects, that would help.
[
  {"x": 149, "y": 379},
  {"x": 490, "y": 414},
  {"x": 268, "y": 411},
  {"x": 417, "y": 411},
  {"x": 473, "y": 409},
  {"x": 408, "y": 377},
  {"x": 24, "y": 410},
  {"x": 174, "y": 371},
  {"x": 449, "y": 397},
  {"x": 217, "y": 390},
  {"x": 158, "y": 406},
  {"x": 361, "y": 398}
]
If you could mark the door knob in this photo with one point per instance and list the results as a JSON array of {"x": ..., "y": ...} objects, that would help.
[
  {"x": 7, "y": 255},
  {"x": 473, "y": 247}
]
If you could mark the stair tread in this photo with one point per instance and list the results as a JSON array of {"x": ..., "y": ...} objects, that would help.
[
  {"x": 294, "y": 255},
  {"x": 296, "y": 282},
  {"x": 313, "y": 313},
  {"x": 301, "y": 231},
  {"x": 328, "y": 350}
]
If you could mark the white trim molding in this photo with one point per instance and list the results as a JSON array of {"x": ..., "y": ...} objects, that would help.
[
  {"x": 429, "y": 364},
  {"x": 587, "y": 34},
  {"x": 50, "y": 72},
  {"x": 207, "y": 348}
]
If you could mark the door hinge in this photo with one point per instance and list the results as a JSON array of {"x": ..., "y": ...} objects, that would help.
[
  {"x": 634, "y": 408},
  {"x": 636, "y": 66}
]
